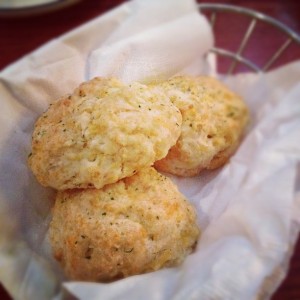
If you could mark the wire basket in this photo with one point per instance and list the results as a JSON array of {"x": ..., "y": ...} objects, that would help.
[{"x": 237, "y": 57}]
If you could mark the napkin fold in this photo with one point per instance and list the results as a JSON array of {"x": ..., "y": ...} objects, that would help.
[{"x": 248, "y": 210}]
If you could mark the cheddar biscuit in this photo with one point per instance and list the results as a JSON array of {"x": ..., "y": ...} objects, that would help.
[
  {"x": 139, "y": 224},
  {"x": 101, "y": 133},
  {"x": 214, "y": 119}
]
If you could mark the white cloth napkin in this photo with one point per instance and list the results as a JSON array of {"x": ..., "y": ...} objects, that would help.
[{"x": 249, "y": 209}]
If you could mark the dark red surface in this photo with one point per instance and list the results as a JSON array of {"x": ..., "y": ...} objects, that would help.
[{"x": 22, "y": 35}]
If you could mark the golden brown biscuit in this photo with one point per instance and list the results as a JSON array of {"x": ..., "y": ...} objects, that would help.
[
  {"x": 101, "y": 133},
  {"x": 214, "y": 119},
  {"x": 139, "y": 224}
]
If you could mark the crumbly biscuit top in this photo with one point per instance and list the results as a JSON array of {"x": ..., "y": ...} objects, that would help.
[
  {"x": 101, "y": 133},
  {"x": 213, "y": 119},
  {"x": 136, "y": 225}
]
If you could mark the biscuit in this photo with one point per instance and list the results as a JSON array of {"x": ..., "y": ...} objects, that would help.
[
  {"x": 214, "y": 119},
  {"x": 101, "y": 133},
  {"x": 139, "y": 224}
]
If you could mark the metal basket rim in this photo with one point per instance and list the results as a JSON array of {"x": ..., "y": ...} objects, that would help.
[
  {"x": 255, "y": 16},
  {"x": 252, "y": 13}
]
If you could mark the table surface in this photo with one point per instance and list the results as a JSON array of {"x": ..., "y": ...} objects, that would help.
[{"x": 21, "y": 35}]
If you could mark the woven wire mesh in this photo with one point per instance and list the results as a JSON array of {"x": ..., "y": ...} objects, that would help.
[{"x": 237, "y": 57}]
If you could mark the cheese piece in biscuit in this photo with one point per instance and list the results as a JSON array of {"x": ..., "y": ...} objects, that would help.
[
  {"x": 214, "y": 119},
  {"x": 139, "y": 224},
  {"x": 101, "y": 133}
]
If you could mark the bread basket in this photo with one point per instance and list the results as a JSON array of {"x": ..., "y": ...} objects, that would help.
[{"x": 231, "y": 59}]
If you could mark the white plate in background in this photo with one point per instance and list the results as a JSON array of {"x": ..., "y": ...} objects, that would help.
[{"x": 30, "y": 7}]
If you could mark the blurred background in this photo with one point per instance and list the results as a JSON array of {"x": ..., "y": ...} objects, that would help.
[
  {"x": 24, "y": 30},
  {"x": 31, "y": 28}
]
